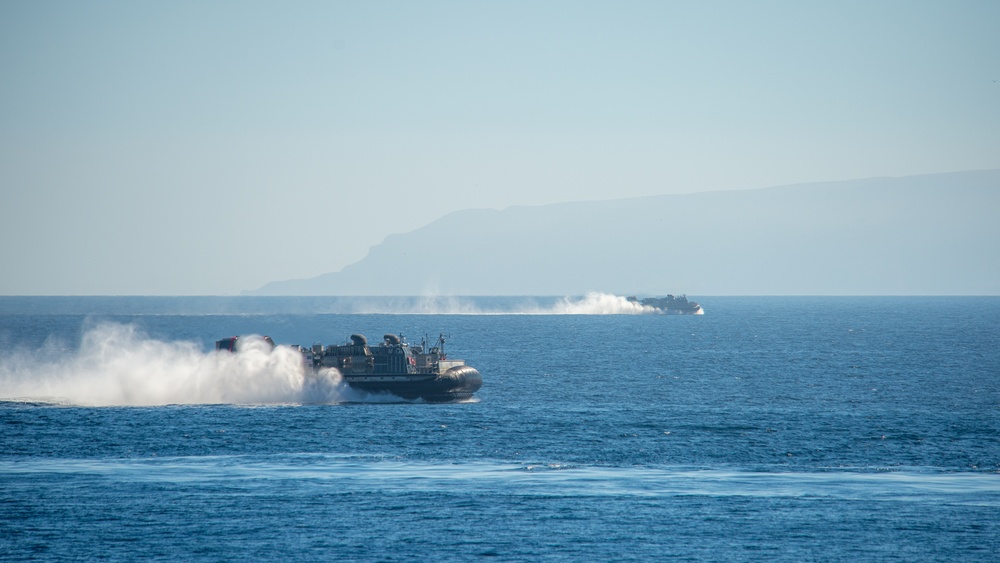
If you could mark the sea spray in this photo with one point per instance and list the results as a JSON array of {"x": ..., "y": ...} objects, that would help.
[
  {"x": 595, "y": 303},
  {"x": 118, "y": 364}
]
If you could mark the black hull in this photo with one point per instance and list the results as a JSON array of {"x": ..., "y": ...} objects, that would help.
[
  {"x": 669, "y": 305},
  {"x": 457, "y": 384}
]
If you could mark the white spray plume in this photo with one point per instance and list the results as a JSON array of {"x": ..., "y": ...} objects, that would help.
[
  {"x": 595, "y": 303},
  {"x": 118, "y": 365}
]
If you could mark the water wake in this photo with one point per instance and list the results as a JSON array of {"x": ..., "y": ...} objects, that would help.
[
  {"x": 594, "y": 303},
  {"x": 378, "y": 473},
  {"x": 118, "y": 365}
]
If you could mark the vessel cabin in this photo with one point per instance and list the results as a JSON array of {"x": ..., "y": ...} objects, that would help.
[{"x": 391, "y": 356}]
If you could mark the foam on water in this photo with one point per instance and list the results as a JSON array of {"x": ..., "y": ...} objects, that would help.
[
  {"x": 363, "y": 473},
  {"x": 117, "y": 364}
]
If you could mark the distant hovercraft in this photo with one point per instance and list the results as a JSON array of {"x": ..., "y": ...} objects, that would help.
[{"x": 670, "y": 304}]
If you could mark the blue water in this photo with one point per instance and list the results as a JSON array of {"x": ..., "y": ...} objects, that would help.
[{"x": 767, "y": 429}]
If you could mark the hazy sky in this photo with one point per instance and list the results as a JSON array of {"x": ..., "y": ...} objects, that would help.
[{"x": 210, "y": 147}]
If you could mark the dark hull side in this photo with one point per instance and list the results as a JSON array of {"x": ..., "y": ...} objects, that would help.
[
  {"x": 456, "y": 384},
  {"x": 669, "y": 305}
]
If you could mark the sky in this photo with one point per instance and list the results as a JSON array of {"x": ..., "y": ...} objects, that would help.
[{"x": 209, "y": 147}]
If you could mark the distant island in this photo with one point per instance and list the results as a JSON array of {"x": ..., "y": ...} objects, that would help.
[{"x": 917, "y": 235}]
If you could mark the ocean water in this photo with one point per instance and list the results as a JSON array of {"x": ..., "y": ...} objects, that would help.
[{"x": 766, "y": 429}]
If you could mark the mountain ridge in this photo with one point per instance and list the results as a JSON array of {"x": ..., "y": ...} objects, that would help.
[{"x": 910, "y": 235}]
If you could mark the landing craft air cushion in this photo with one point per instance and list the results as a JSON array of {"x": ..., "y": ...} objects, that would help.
[
  {"x": 409, "y": 372},
  {"x": 670, "y": 305}
]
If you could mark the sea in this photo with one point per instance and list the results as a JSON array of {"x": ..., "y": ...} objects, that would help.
[{"x": 767, "y": 428}]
